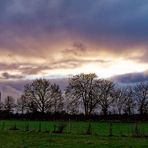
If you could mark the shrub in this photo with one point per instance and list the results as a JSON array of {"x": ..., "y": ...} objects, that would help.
[
  {"x": 13, "y": 127},
  {"x": 59, "y": 128}
]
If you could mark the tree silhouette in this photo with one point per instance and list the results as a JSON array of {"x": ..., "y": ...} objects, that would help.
[
  {"x": 83, "y": 90},
  {"x": 141, "y": 96},
  {"x": 38, "y": 95}
]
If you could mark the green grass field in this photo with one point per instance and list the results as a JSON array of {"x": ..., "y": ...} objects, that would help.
[{"x": 40, "y": 135}]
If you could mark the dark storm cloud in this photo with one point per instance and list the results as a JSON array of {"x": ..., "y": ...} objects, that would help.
[
  {"x": 104, "y": 20},
  {"x": 131, "y": 78},
  {"x": 29, "y": 27}
]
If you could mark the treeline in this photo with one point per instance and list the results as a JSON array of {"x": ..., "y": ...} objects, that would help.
[{"x": 85, "y": 94}]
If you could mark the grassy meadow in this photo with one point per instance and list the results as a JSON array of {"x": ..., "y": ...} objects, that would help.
[{"x": 42, "y": 134}]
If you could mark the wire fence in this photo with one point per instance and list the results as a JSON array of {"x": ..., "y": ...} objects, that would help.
[{"x": 137, "y": 129}]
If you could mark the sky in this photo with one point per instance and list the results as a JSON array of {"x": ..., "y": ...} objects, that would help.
[{"x": 59, "y": 38}]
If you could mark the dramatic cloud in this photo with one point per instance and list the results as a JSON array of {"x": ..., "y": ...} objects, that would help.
[{"x": 45, "y": 38}]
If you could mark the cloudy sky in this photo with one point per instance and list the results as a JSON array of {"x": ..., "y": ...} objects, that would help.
[{"x": 60, "y": 38}]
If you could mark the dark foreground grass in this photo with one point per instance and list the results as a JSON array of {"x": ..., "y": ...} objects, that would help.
[
  {"x": 18, "y": 139},
  {"x": 40, "y": 135}
]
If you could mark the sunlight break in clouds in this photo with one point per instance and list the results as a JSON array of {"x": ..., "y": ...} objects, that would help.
[{"x": 52, "y": 38}]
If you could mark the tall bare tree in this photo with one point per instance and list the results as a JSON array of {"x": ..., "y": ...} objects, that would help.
[
  {"x": 82, "y": 89},
  {"x": 43, "y": 96},
  {"x": 141, "y": 96},
  {"x": 38, "y": 95}
]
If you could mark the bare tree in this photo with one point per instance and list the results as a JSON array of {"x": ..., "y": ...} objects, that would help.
[
  {"x": 9, "y": 104},
  {"x": 119, "y": 99},
  {"x": 82, "y": 90},
  {"x": 106, "y": 98},
  {"x": 141, "y": 96},
  {"x": 56, "y": 98},
  {"x": 22, "y": 104},
  {"x": 42, "y": 96},
  {"x": 38, "y": 95},
  {"x": 129, "y": 104}
]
